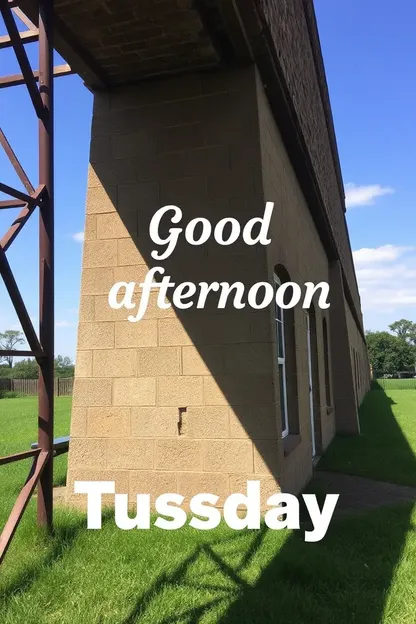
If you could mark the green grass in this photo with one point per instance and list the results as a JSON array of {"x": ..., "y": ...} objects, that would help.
[
  {"x": 394, "y": 384},
  {"x": 363, "y": 572},
  {"x": 386, "y": 448}
]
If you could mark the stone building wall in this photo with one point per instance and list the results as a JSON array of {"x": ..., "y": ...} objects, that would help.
[
  {"x": 181, "y": 400},
  {"x": 188, "y": 400}
]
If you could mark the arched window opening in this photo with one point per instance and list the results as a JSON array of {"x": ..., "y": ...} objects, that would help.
[
  {"x": 286, "y": 359},
  {"x": 326, "y": 363}
]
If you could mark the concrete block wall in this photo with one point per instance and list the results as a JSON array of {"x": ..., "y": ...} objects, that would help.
[
  {"x": 188, "y": 400},
  {"x": 182, "y": 400},
  {"x": 296, "y": 246},
  {"x": 359, "y": 359}
]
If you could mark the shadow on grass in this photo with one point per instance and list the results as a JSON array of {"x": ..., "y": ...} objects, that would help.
[
  {"x": 61, "y": 541},
  {"x": 344, "y": 578},
  {"x": 257, "y": 576}
]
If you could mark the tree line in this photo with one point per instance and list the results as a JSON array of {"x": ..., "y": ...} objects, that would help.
[
  {"x": 27, "y": 368},
  {"x": 394, "y": 352}
]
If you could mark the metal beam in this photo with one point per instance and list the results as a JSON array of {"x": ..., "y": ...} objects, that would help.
[
  {"x": 16, "y": 353},
  {"x": 22, "y": 60},
  {"x": 27, "y": 36},
  {"x": 22, "y": 502},
  {"x": 12, "y": 203},
  {"x": 46, "y": 263},
  {"x": 9, "y": 459},
  {"x": 18, "y": 79},
  {"x": 9, "y": 190}
]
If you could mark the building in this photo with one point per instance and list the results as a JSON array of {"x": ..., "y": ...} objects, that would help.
[{"x": 217, "y": 107}]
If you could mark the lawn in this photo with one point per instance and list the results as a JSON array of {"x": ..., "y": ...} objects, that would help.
[
  {"x": 386, "y": 447},
  {"x": 362, "y": 572}
]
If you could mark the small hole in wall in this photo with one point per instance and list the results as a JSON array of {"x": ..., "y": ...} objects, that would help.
[{"x": 182, "y": 421}]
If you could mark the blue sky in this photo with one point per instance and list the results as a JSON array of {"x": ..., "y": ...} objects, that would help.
[{"x": 369, "y": 50}]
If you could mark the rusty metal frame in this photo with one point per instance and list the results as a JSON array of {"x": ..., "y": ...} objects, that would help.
[{"x": 39, "y": 85}]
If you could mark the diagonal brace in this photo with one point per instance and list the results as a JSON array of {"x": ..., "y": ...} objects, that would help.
[
  {"x": 15, "y": 162},
  {"x": 22, "y": 502},
  {"x": 23, "y": 60},
  {"x": 18, "y": 303}
]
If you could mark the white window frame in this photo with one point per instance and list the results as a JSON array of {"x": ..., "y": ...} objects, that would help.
[{"x": 281, "y": 362}]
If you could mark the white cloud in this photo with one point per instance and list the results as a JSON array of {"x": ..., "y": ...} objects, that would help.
[
  {"x": 78, "y": 237},
  {"x": 386, "y": 277},
  {"x": 65, "y": 324},
  {"x": 369, "y": 256},
  {"x": 364, "y": 195}
]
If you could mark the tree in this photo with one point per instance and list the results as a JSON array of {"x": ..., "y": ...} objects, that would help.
[
  {"x": 63, "y": 366},
  {"x": 5, "y": 371},
  {"x": 8, "y": 341},
  {"x": 404, "y": 329},
  {"x": 25, "y": 369},
  {"x": 388, "y": 353}
]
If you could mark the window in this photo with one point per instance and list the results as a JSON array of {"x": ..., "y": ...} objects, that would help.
[
  {"x": 279, "y": 317},
  {"x": 326, "y": 364}
]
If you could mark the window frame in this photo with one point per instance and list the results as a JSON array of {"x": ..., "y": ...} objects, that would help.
[{"x": 281, "y": 359}]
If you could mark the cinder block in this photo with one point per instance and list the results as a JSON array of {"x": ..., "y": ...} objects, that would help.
[
  {"x": 97, "y": 281},
  {"x": 103, "y": 311},
  {"x": 78, "y": 422},
  {"x": 172, "y": 332},
  {"x": 249, "y": 358},
  {"x": 178, "y": 455},
  {"x": 266, "y": 457},
  {"x": 111, "y": 226},
  {"x": 183, "y": 190},
  {"x": 192, "y": 483},
  {"x": 154, "y": 422},
  {"x": 86, "y": 309},
  {"x": 95, "y": 336},
  {"x": 100, "y": 200},
  {"x": 100, "y": 254},
  {"x": 90, "y": 227},
  {"x": 202, "y": 360},
  {"x": 228, "y": 456},
  {"x": 88, "y": 453},
  {"x": 128, "y": 252},
  {"x": 130, "y": 274},
  {"x": 115, "y": 363},
  {"x": 254, "y": 422},
  {"x": 100, "y": 149},
  {"x": 206, "y": 160},
  {"x": 268, "y": 486},
  {"x": 75, "y": 473},
  {"x": 180, "y": 391},
  {"x": 83, "y": 364},
  {"x": 158, "y": 361},
  {"x": 133, "y": 392},
  {"x": 108, "y": 422},
  {"x": 140, "y": 334},
  {"x": 91, "y": 392},
  {"x": 207, "y": 422},
  {"x": 239, "y": 390},
  {"x": 142, "y": 197},
  {"x": 93, "y": 179},
  {"x": 153, "y": 483},
  {"x": 130, "y": 454},
  {"x": 213, "y": 392}
]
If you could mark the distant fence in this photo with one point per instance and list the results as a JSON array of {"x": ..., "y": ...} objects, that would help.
[
  {"x": 394, "y": 382},
  {"x": 63, "y": 386}
]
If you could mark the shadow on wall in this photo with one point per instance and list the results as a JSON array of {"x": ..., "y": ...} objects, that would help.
[{"x": 233, "y": 349}]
